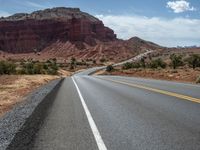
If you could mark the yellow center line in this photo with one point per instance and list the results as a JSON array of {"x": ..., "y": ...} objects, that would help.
[{"x": 185, "y": 97}]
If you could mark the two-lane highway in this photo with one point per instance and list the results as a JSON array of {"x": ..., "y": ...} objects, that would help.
[{"x": 125, "y": 116}]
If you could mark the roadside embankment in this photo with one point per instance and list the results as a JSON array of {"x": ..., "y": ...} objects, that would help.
[{"x": 18, "y": 127}]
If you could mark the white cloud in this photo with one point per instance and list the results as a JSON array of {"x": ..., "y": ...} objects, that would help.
[
  {"x": 32, "y": 4},
  {"x": 180, "y": 6},
  {"x": 166, "y": 32},
  {"x": 4, "y": 14}
]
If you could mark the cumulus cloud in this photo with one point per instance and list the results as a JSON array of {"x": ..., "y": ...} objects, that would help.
[
  {"x": 180, "y": 6},
  {"x": 166, "y": 32}
]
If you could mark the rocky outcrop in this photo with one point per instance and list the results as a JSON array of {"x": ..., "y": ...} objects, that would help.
[{"x": 23, "y": 33}]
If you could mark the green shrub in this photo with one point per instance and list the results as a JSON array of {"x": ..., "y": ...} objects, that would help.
[
  {"x": 157, "y": 63},
  {"x": 130, "y": 65},
  {"x": 109, "y": 68},
  {"x": 73, "y": 63},
  {"x": 29, "y": 67},
  {"x": 102, "y": 60},
  {"x": 94, "y": 61},
  {"x": 38, "y": 68},
  {"x": 136, "y": 65},
  {"x": 176, "y": 61},
  {"x": 11, "y": 68},
  {"x": 143, "y": 62},
  {"x": 194, "y": 61},
  {"x": 127, "y": 66},
  {"x": 52, "y": 71},
  {"x": 71, "y": 67},
  {"x": 7, "y": 67},
  {"x": 198, "y": 79}
]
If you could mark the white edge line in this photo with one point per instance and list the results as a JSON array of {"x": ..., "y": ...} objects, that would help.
[{"x": 93, "y": 126}]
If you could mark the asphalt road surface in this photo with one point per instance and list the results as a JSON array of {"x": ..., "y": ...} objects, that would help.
[{"x": 122, "y": 113}]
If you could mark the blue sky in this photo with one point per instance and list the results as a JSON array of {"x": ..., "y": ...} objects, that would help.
[{"x": 166, "y": 22}]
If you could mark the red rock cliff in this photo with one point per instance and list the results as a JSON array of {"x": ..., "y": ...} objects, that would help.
[{"x": 23, "y": 33}]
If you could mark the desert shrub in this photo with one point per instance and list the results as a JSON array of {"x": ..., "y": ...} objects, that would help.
[
  {"x": 109, "y": 68},
  {"x": 38, "y": 68},
  {"x": 143, "y": 62},
  {"x": 194, "y": 61},
  {"x": 52, "y": 68},
  {"x": 73, "y": 60},
  {"x": 21, "y": 71},
  {"x": 102, "y": 60},
  {"x": 130, "y": 65},
  {"x": 71, "y": 67},
  {"x": 157, "y": 63},
  {"x": 198, "y": 79},
  {"x": 45, "y": 66},
  {"x": 81, "y": 63},
  {"x": 2, "y": 67},
  {"x": 176, "y": 61},
  {"x": 136, "y": 65},
  {"x": 7, "y": 67},
  {"x": 127, "y": 65},
  {"x": 94, "y": 61},
  {"x": 30, "y": 67},
  {"x": 51, "y": 71},
  {"x": 73, "y": 63}
]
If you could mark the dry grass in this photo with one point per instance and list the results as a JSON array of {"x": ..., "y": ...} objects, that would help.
[
  {"x": 182, "y": 74},
  {"x": 64, "y": 73},
  {"x": 14, "y": 87}
]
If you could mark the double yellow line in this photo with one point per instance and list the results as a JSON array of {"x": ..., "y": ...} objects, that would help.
[{"x": 185, "y": 97}]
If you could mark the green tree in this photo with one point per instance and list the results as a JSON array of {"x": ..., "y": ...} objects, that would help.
[
  {"x": 143, "y": 62},
  {"x": 109, "y": 68},
  {"x": 194, "y": 61},
  {"x": 176, "y": 60},
  {"x": 157, "y": 63}
]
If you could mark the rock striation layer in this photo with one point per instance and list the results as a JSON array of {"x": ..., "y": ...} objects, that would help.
[{"x": 23, "y": 33}]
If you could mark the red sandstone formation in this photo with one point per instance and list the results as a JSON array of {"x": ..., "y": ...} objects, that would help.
[
  {"x": 29, "y": 32},
  {"x": 64, "y": 33}
]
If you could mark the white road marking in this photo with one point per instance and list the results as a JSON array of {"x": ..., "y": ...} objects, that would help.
[{"x": 93, "y": 126}]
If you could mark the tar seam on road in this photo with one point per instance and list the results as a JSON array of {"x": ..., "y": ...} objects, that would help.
[
  {"x": 185, "y": 97},
  {"x": 93, "y": 126}
]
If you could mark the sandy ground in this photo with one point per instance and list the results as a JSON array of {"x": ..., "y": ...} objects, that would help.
[
  {"x": 14, "y": 87},
  {"x": 181, "y": 75}
]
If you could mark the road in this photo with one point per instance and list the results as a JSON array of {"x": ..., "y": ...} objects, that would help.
[
  {"x": 121, "y": 113},
  {"x": 127, "y": 117},
  {"x": 92, "y": 70}
]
